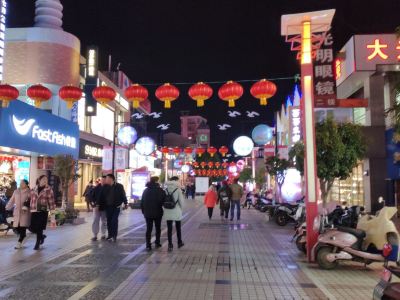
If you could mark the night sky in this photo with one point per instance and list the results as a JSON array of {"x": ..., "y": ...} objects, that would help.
[{"x": 210, "y": 40}]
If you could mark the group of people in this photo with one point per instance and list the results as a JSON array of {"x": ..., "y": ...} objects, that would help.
[
  {"x": 227, "y": 196},
  {"x": 157, "y": 204},
  {"x": 106, "y": 198},
  {"x": 190, "y": 191},
  {"x": 31, "y": 209}
]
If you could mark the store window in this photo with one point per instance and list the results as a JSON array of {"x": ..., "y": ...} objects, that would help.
[
  {"x": 351, "y": 190},
  {"x": 12, "y": 170}
]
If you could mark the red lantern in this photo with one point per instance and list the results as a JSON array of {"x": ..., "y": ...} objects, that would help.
[
  {"x": 165, "y": 150},
  {"x": 70, "y": 94},
  {"x": 7, "y": 94},
  {"x": 136, "y": 94},
  {"x": 200, "y": 151},
  {"x": 188, "y": 150},
  {"x": 167, "y": 93},
  {"x": 195, "y": 164},
  {"x": 220, "y": 172},
  {"x": 210, "y": 164},
  {"x": 232, "y": 164},
  {"x": 200, "y": 92},
  {"x": 217, "y": 164},
  {"x": 263, "y": 90},
  {"x": 39, "y": 93},
  {"x": 208, "y": 173},
  {"x": 212, "y": 150},
  {"x": 223, "y": 150},
  {"x": 230, "y": 91},
  {"x": 177, "y": 151},
  {"x": 224, "y": 165},
  {"x": 104, "y": 94},
  {"x": 203, "y": 164},
  {"x": 225, "y": 172}
]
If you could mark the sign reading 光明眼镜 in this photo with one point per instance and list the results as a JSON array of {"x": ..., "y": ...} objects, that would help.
[{"x": 27, "y": 128}]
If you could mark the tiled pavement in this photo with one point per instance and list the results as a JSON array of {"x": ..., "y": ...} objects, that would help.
[{"x": 250, "y": 259}]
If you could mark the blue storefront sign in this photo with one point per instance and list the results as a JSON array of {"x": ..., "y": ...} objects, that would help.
[
  {"x": 27, "y": 128},
  {"x": 392, "y": 153}
]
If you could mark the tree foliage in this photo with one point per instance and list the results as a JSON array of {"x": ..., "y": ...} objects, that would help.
[
  {"x": 260, "y": 176},
  {"x": 339, "y": 149},
  {"x": 64, "y": 167},
  {"x": 277, "y": 167},
  {"x": 246, "y": 175}
]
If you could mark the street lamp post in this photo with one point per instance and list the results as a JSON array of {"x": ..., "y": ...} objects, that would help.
[{"x": 301, "y": 28}]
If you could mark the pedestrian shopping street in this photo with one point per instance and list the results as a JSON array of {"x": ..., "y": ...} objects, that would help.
[{"x": 249, "y": 259}]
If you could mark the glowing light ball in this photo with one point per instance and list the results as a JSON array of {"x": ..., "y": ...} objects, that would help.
[
  {"x": 240, "y": 164},
  {"x": 243, "y": 145},
  {"x": 291, "y": 188},
  {"x": 145, "y": 145},
  {"x": 262, "y": 134},
  {"x": 127, "y": 135},
  {"x": 232, "y": 169},
  {"x": 185, "y": 168}
]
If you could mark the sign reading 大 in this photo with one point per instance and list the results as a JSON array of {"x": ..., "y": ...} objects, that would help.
[{"x": 27, "y": 128}]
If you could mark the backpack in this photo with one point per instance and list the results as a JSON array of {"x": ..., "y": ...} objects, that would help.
[{"x": 169, "y": 202}]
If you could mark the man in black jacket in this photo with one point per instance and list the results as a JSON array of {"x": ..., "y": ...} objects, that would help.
[
  {"x": 99, "y": 210},
  {"x": 152, "y": 201},
  {"x": 112, "y": 197}
]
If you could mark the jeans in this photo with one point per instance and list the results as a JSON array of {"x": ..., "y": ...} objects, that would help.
[
  {"x": 210, "y": 211},
  {"x": 178, "y": 231},
  {"x": 99, "y": 215},
  {"x": 225, "y": 212},
  {"x": 112, "y": 220},
  {"x": 22, "y": 233},
  {"x": 237, "y": 204},
  {"x": 149, "y": 225}
]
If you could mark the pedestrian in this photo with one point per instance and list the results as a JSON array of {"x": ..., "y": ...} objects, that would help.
[
  {"x": 152, "y": 208},
  {"x": 42, "y": 200},
  {"x": 99, "y": 210},
  {"x": 87, "y": 193},
  {"x": 237, "y": 193},
  {"x": 224, "y": 199},
  {"x": 187, "y": 191},
  {"x": 210, "y": 200},
  {"x": 22, "y": 215},
  {"x": 171, "y": 215},
  {"x": 112, "y": 197}
]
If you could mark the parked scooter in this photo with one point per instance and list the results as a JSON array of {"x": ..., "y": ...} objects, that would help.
[
  {"x": 286, "y": 212},
  {"x": 364, "y": 244},
  {"x": 6, "y": 218}
]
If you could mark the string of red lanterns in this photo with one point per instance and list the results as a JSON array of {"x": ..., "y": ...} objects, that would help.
[{"x": 200, "y": 92}]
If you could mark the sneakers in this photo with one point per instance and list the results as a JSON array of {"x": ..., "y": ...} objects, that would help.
[
  {"x": 37, "y": 247},
  {"x": 43, "y": 238},
  {"x": 109, "y": 238},
  {"x": 114, "y": 239},
  {"x": 103, "y": 237},
  {"x": 18, "y": 246},
  {"x": 94, "y": 239},
  {"x": 148, "y": 248},
  {"x": 180, "y": 245},
  {"x": 157, "y": 245}
]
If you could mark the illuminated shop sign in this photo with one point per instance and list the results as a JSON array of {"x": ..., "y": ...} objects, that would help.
[
  {"x": 295, "y": 124},
  {"x": 92, "y": 62},
  {"x": 90, "y": 150},
  {"x": 27, "y": 128}
]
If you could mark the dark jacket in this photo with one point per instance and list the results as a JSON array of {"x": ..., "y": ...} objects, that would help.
[
  {"x": 112, "y": 195},
  {"x": 223, "y": 192},
  {"x": 95, "y": 195},
  {"x": 152, "y": 201}
]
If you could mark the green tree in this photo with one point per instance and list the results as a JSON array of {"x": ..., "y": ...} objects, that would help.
[
  {"x": 339, "y": 149},
  {"x": 277, "y": 167},
  {"x": 64, "y": 167},
  {"x": 260, "y": 177},
  {"x": 246, "y": 175}
]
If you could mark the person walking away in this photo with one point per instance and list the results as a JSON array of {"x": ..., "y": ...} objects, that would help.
[
  {"x": 152, "y": 208},
  {"x": 89, "y": 188},
  {"x": 99, "y": 210},
  {"x": 22, "y": 215},
  {"x": 237, "y": 193},
  {"x": 224, "y": 199},
  {"x": 193, "y": 191},
  {"x": 42, "y": 200},
  {"x": 210, "y": 200},
  {"x": 173, "y": 206},
  {"x": 112, "y": 197}
]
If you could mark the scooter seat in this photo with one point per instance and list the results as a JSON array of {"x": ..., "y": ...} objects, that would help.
[
  {"x": 360, "y": 234},
  {"x": 392, "y": 291}
]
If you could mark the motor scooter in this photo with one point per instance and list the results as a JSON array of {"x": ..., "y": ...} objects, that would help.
[
  {"x": 364, "y": 244},
  {"x": 286, "y": 212}
]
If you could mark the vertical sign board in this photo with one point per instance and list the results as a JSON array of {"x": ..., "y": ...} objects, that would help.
[
  {"x": 294, "y": 125},
  {"x": 91, "y": 80},
  {"x": 3, "y": 10},
  {"x": 324, "y": 78}
]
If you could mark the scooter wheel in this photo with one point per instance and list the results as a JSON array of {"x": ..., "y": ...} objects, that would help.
[
  {"x": 280, "y": 219},
  {"x": 322, "y": 259},
  {"x": 301, "y": 246}
]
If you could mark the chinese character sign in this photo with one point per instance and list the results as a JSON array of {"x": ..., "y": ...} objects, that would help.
[
  {"x": 295, "y": 125},
  {"x": 324, "y": 78}
]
